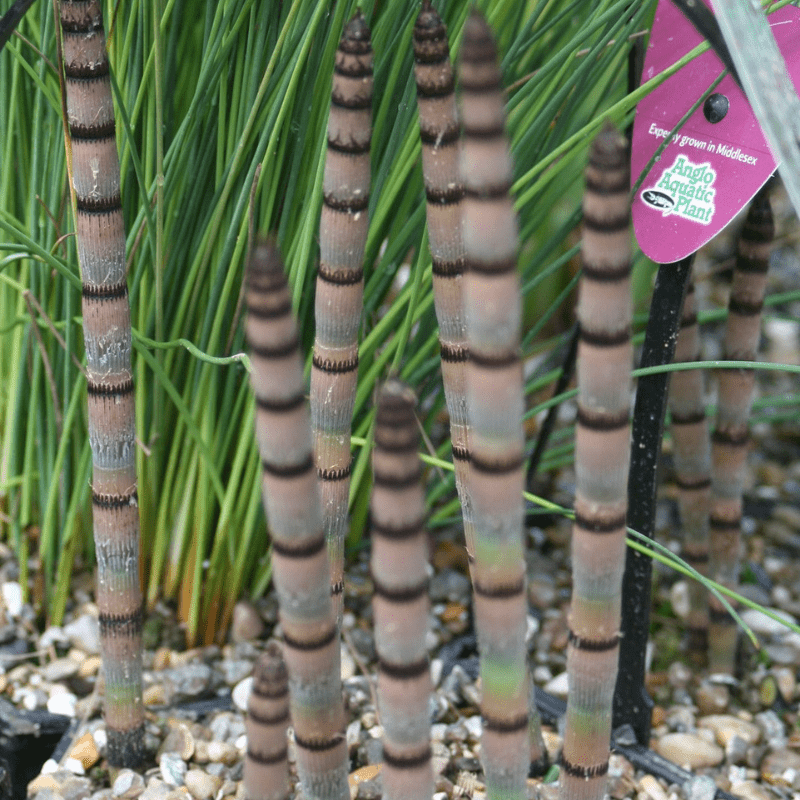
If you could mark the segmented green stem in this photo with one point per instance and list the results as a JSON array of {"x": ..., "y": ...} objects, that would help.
[
  {"x": 340, "y": 284},
  {"x": 299, "y": 556},
  {"x": 494, "y": 390},
  {"x": 729, "y": 441},
  {"x": 400, "y": 604},
  {"x": 691, "y": 451},
  {"x": 107, "y": 338},
  {"x": 266, "y": 766},
  {"x": 602, "y": 455},
  {"x": 440, "y": 134}
]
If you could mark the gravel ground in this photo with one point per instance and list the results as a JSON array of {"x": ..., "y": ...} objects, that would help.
[{"x": 741, "y": 735}]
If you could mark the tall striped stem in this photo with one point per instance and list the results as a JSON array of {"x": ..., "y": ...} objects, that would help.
[
  {"x": 340, "y": 284},
  {"x": 266, "y": 765},
  {"x": 299, "y": 557},
  {"x": 691, "y": 452},
  {"x": 602, "y": 454},
  {"x": 494, "y": 389},
  {"x": 440, "y": 135},
  {"x": 107, "y": 338},
  {"x": 729, "y": 441},
  {"x": 400, "y": 604}
]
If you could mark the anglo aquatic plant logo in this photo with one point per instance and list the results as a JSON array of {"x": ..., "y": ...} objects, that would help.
[{"x": 684, "y": 189}]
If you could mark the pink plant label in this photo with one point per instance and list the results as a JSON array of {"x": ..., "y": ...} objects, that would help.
[{"x": 718, "y": 160}]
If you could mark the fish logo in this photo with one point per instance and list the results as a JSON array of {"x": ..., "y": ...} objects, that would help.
[{"x": 657, "y": 200}]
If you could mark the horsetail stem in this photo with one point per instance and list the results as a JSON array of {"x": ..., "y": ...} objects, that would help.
[
  {"x": 692, "y": 454},
  {"x": 495, "y": 404},
  {"x": 266, "y": 766},
  {"x": 602, "y": 453},
  {"x": 299, "y": 557},
  {"x": 729, "y": 441},
  {"x": 440, "y": 135},
  {"x": 400, "y": 604},
  {"x": 340, "y": 284},
  {"x": 109, "y": 378}
]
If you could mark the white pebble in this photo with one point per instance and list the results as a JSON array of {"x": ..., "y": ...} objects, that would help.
[
  {"x": 74, "y": 766},
  {"x": 12, "y": 598},
  {"x": 241, "y": 693},
  {"x": 62, "y": 704},
  {"x": 49, "y": 766},
  {"x": 558, "y": 686}
]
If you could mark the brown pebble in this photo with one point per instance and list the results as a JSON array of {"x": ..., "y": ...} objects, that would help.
[
  {"x": 89, "y": 667},
  {"x": 85, "y": 751},
  {"x": 179, "y": 740},
  {"x": 712, "y": 698},
  {"x": 658, "y": 716},
  {"x": 247, "y": 623}
]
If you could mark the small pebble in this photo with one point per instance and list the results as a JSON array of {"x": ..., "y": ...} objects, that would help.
[
  {"x": 128, "y": 785},
  {"x": 62, "y": 704},
  {"x": 247, "y": 623},
  {"x": 651, "y": 788},
  {"x": 725, "y": 727},
  {"x": 173, "y": 769},
  {"x": 85, "y": 750},
  {"x": 558, "y": 686},
  {"x": 700, "y": 787},
  {"x": 12, "y": 598},
  {"x": 84, "y": 633},
  {"x": 241, "y": 693},
  {"x": 201, "y": 785},
  {"x": 689, "y": 750}
]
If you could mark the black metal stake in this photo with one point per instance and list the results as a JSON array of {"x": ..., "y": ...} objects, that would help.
[{"x": 632, "y": 704}]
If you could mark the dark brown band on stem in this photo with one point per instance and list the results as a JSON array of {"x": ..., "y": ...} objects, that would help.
[
  {"x": 499, "y": 592},
  {"x": 264, "y": 719},
  {"x": 266, "y": 759},
  {"x": 604, "y": 338},
  {"x": 352, "y": 148},
  {"x": 331, "y": 475},
  {"x": 738, "y": 439},
  {"x": 513, "y": 725},
  {"x": 495, "y": 360},
  {"x": 496, "y": 467},
  {"x": 595, "y": 771},
  {"x": 305, "y": 550},
  {"x": 609, "y": 225},
  {"x": 312, "y": 644},
  {"x": 398, "y": 533},
  {"x": 335, "y": 367},
  {"x": 600, "y": 525},
  {"x": 114, "y": 291},
  {"x": 282, "y": 405},
  {"x": 340, "y": 277},
  {"x": 405, "y": 761},
  {"x": 406, "y": 594},
  {"x": 448, "y": 269},
  {"x": 99, "y": 205},
  {"x": 288, "y": 470},
  {"x": 121, "y": 624},
  {"x": 692, "y": 418},
  {"x": 319, "y": 745},
  {"x": 115, "y": 501},
  {"x": 284, "y": 350},
  {"x": 398, "y": 482},
  {"x": 93, "y": 133},
  {"x": 280, "y": 309},
  {"x": 403, "y": 672},
  {"x": 592, "y": 645},
  {"x": 109, "y": 390},
  {"x": 606, "y": 274},
  {"x": 602, "y": 421},
  {"x": 351, "y": 205}
]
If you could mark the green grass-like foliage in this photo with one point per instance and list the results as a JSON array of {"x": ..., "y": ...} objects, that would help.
[{"x": 221, "y": 118}]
